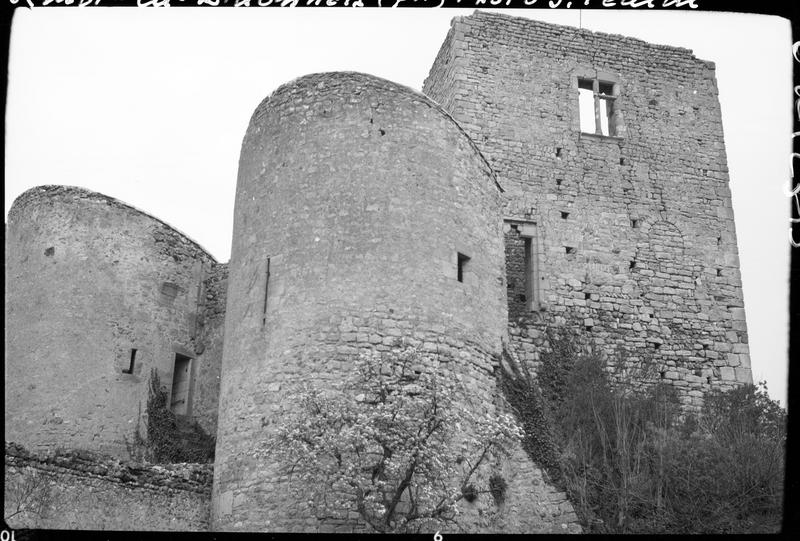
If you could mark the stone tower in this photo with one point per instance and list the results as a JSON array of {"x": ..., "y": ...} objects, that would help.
[
  {"x": 99, "y": 293},
  {"x": 365, "y": 219},
  {"x": 617, "y": 207}
]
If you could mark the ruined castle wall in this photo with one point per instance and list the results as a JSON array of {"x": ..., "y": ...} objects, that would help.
[
  {"x": 633, "y": 234},
  {"x": 355, "y": 196},
  {"x": 89, "y": 279},
  {"x": 205, "y": 399},
  {"x": 78, "y": 490}
]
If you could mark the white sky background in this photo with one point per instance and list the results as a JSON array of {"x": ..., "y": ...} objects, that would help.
[{"x": 150, "y": 106}]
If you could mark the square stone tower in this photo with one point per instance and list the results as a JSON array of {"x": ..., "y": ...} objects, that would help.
[{"x": 618, "y": 217}]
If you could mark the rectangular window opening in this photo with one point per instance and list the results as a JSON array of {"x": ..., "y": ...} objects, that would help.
[
  {"x": 606, "y": 110},
  {"x": 569, "y": 249},
  {"x": 605, "y": 88},
  {"x": 564, "y": 215},
  {"x": 522, "y": 270},
  {"x": 634, "y": 223},
  {"x": 596, "y": 107},
  {"x": 181, "y": 378},
  {"x": 462, "y": 266},
  {"x": 530, "y": 297},
  {"x": 586, "y": 110},
  {"x": 129, "y": 370}
]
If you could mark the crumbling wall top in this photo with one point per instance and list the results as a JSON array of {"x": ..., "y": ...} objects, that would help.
[
  {"x": 578, "y": 36},
  {"x": 47, "y": 193}
]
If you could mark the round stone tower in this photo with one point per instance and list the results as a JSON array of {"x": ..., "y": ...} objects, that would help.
[
  {"x": 97, "y": 294},
  {"x": 365, "y": 219}
]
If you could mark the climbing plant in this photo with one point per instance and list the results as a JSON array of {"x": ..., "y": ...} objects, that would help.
[{"x": 166, "y": 442}]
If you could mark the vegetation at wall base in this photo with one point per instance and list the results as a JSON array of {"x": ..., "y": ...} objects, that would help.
[
  {"x": 632, "y": 461},
  {"x": 170, "y": 439}
]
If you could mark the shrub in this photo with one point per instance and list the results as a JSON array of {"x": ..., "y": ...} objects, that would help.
[
  {"x": 166, "y": 442},
  {"x": 392, "y": 445},
  {"x": 631, "y": 461},
  {"x": 497, "y": 487}
]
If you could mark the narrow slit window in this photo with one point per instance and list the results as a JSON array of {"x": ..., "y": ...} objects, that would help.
[
  {"x": 463, "y": 260},
  {"x": 129, "y": 370},
  {"x": 266, "y": 294}
]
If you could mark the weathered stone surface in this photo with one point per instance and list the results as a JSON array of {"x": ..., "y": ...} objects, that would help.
[
  {"x": 354, "y": 200},
  {"x": 366, "y": 228},
  {"x": 646, "y": 214},
  {"x": 86, "y": 490},
  {"x": 89, "y": 279}
]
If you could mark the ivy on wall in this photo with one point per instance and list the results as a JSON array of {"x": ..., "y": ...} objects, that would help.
[
  {"x": 521, "y": 391},
  {"x": 171, "y": 439}
]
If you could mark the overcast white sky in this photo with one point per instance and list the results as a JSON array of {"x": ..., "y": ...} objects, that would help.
[{"x": 150, "y": 106}]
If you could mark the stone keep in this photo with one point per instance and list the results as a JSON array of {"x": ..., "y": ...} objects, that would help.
[{"x": 625, "y": 236}]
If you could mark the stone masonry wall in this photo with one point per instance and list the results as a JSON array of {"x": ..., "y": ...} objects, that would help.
[
  {"x": 80, "y": 490},
  {"x": 205, "y": 401},
  {"x": 354, "y": 197},
  {"x": 634, "y": 234},
  {"x": 88, "y": 280}
]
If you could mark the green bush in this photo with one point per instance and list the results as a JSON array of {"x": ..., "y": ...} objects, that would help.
[{"x": 632, "y": 461}]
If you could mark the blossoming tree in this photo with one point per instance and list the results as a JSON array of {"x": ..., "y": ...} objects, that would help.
[{"x": 393, "y": 446}]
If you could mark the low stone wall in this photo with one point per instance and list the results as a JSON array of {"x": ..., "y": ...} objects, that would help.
[{"x": 81, "y": 490}]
